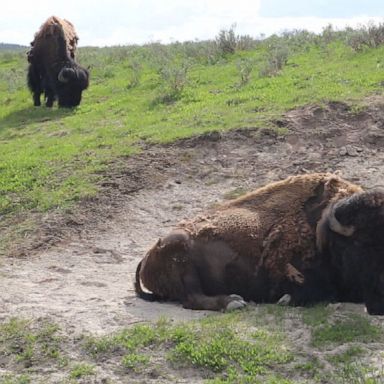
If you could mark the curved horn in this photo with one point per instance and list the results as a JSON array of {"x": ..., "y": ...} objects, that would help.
[
  {"x": 355, "y": 211},
  {"x": 334, "y": 224},
  {"x": 65, "y": 74}
]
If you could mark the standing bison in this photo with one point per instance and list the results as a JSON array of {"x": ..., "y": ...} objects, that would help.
[
  {"x": 52, "y": 67},
  {"x": 315, "y": 237}
]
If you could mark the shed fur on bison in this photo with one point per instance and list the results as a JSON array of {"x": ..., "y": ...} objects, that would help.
[
  {"x": 316, "y": 237},
  {"x": 52, "y": 67}
]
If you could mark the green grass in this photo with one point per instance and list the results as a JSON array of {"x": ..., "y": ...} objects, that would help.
[
  {"x": 221, "y": 345},
  {"x": 354, "y": 328},
  {"x": 255, "y": 345},
  {"x": 27, "y": 344},
  {"x": 51, "y": 158},
  {"x": 81, "y": 370}
]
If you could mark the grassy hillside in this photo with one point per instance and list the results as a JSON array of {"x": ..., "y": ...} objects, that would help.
[{"x": 51, "y": 157}]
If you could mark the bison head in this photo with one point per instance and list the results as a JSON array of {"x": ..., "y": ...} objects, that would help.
[
  {"x": 71, "y": 83},
  {"x": 351, "y": 232}
]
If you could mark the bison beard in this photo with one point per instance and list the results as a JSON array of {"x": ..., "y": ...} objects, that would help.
[
  {"x": 315, "y": 237},
  {"x": 52, "y": 67}
]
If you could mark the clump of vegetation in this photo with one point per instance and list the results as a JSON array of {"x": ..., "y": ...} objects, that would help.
[
  {"x": 174, "y": 79},
  {"x": 369, "y": 36},
  {"x": 219, "y": 344},
  {"x": 24, "y": 343},
  {"x": 354, "y": 328},
  {"x": 136, "y": 69},
  {"x": 277, "y": 58},
  {"x": 256, "y": 345},
  {"x": 81, "y": 370},
  {"x": 245, "y": 67},
  {"x": 228, "y": 42}
]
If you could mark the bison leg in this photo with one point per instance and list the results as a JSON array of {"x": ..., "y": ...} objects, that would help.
[
  {"x": 196, "y": 299},
  {"x": 214, "y": 303},
  {"x": 50, "y": 97},
  {"x": 34, "y": 84}
]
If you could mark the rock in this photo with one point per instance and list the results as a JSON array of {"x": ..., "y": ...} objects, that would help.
[{"x": 350, "y": 150}]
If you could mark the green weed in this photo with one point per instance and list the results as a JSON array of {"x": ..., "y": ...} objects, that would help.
[
  {"x": 218, "y": 344},
  {"x": 82, "y": 370},
  {"x": 350, "y": 329},
  {"x": 26, "y": 343},
  {"x": 134, "y": 361},
  {"x": 15, "y": 379}
]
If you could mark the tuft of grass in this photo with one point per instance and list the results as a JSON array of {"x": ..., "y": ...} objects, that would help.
[
  {"x": 27, "y": 343},
  {"x": 354, "y": 328},
  {"x": 15, "y": 379},
  {"x": 219, "y": 344},
  {"x": 134, "y": 361},
  {"x": 357, "y": 373},
  {"x": 348, "y": 356},
  {"x": 81, "y": 370},
  {"x": 316, "y": 315}
]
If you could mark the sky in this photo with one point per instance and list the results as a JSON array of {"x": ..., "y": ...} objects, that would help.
[{"x": 123, "y": 22}]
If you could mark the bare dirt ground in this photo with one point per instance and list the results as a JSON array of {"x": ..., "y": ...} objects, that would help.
[{"x": 84, "y": 281}]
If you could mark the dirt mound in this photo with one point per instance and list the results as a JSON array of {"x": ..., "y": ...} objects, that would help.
[{"x": 84, "y": 281}]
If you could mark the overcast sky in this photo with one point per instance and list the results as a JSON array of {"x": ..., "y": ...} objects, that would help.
[{"x": 121, "y": 22}]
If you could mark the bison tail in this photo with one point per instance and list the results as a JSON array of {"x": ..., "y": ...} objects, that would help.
[{"x": 139, "y": 291}]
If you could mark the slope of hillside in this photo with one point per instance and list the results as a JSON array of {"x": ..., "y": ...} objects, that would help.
[{"x": 51, "y": 158}]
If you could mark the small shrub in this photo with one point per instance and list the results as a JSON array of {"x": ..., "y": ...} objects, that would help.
[
  {"x": 277, "y": 57},
  {"x": 174, "y": 77},
  {"x": 136, "y": 69},
  {"x": 370, "y": 36},
  {"x": 226, "y": 41},
  {"x": 244, "y": 69}
]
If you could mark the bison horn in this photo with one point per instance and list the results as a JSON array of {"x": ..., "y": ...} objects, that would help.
[
  {"x": 337, "y": 227},
  {"x": 65, "y": 74}
]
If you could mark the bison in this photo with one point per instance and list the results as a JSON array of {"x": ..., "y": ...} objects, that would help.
[
  {"x": 315, "y": 237},
  {"x": 52, "y": 67}
]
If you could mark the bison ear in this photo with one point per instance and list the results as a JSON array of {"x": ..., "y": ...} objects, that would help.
[{"x": 159, "y": 243}]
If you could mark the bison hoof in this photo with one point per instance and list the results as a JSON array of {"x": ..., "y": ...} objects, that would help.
[
  {"x": 236, "y": 302},
  {"x": 285, "y": 300}
]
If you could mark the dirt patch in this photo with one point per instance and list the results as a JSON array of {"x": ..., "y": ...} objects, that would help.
[{"x": 85, "y": 280}]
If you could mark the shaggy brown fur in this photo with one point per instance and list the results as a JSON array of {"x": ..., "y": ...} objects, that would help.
[
  {"x": 258, "y": 246},
  {"x": 48, "y": 29}
]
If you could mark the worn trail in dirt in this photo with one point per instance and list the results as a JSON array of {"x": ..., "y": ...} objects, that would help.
[{"x": 85, "y": 282}]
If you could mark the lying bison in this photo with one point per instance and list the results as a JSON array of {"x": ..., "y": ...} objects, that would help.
[
  {"x": 52, "y": 67},
  {"x": 315, "y": 237}
]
